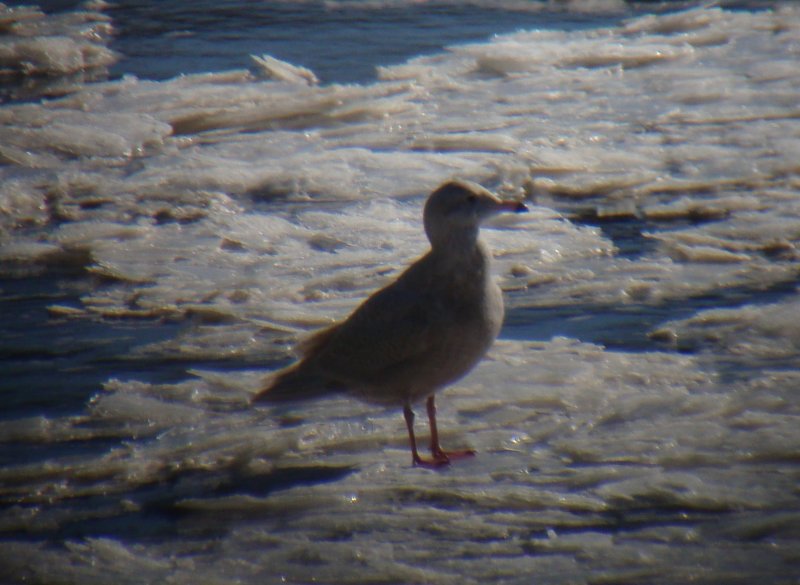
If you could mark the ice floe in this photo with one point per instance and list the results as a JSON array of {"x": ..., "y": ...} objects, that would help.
[{"x": 249, "y": 211}]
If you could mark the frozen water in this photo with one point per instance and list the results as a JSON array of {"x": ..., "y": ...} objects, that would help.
[{"x": 249, "y": 211}]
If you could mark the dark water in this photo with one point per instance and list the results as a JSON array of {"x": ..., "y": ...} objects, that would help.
[
  {"x": 59, "y": 362},
  {"x": 159, "y": 40},
  {"x": 342, "y": 46}
]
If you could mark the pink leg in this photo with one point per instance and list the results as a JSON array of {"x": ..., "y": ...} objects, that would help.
[
  {"x": 416, "y": 459},
  {"x": 439, "y": 455}
]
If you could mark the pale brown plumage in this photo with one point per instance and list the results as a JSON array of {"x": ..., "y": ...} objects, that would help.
[{"x": 420, "y": 333}]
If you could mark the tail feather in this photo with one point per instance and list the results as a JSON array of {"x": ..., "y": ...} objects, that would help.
[{"x": 293, "y": 383}]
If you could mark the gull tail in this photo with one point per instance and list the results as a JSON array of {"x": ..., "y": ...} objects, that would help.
[{"x": 293, "y": 383}]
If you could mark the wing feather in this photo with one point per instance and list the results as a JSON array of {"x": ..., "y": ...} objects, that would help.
[{"x": 393, "y": 326}]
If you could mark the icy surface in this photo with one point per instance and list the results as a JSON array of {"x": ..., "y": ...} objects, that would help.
[
  {"x": 250, "y": 211},
  {"x": 52, "y": 54}
]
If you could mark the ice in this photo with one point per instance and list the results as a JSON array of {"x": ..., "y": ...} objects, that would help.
[
  {"x": 594, "y": 458},
  {"x": 276, "y": 69},
  {"x": 54, "y": 56},
  {"x": 246, "y": 213},
  {"x": 751, "y": 332},
  {"x": 55, "y": 45},
  {"x": 74, "y": 134}
]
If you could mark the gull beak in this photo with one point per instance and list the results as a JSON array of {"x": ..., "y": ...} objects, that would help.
[{"x": 513, "y": 206}]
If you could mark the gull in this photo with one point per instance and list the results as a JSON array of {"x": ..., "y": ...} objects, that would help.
[{"x": 420, "y": 333}]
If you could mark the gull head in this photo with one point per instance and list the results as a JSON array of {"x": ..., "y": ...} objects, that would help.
[{"x": 457, "y": 208}]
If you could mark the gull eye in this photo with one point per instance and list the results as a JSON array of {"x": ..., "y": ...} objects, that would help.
[{"x": 472, "y": 199}]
